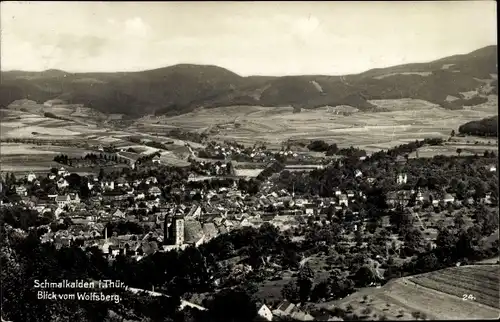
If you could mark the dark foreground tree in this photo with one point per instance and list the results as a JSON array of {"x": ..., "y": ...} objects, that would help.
[{"x": 232, "y": 305}]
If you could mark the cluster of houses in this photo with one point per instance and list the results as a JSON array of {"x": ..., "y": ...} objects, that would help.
[
  {"x": 420, "y": 196},
  {"x": 290, "y": 311},
  {"x": 218, "y": 211},
  {"x": 229, "y": 151},
  {"x": 210, "y": 169},
  {"x": 172, "y": 225}
]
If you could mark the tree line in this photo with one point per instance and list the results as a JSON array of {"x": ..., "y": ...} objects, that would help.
[{"x": 487, "y": 127}]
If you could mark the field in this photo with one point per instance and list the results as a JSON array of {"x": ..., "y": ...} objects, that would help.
[
  {"x": 271, "y": 290},
  {"x": 140, "y": 149},
  {"x": 403, "y": 121},
  {"x": 247, "y": 172},
  {"x": 480, "y": 281},
  {"x": 18, "y": 157},
  {"x": 469, "y": 145},
  {"x": 438, "y": 295},
  {"x": 26, "y": 121}
]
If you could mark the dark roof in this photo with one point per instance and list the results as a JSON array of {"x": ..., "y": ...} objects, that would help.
[
  {"x": 121, "y": 180},
  {"x": 210, "y": 230},
  {"x": 63, "y": 198},
  {"x": 267, "y": 217},
  {"x": 193, "y": 231},
  {"x": 222, "y": 229},
  {"x": 284, "y": 306},
  {"x": 193, "y": 209}
]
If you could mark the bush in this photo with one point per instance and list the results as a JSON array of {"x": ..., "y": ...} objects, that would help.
[
  {"x": 367, "y": 311},
  {"x": 51, "y": 115},
  {"x": 318, "y": 146}
]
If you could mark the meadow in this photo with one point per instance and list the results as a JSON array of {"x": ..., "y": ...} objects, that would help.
[
  {"x": 398, "y": 122},
  {"x": 438, "y": 295},
  {"x": 48, "y": 137},
  {"x": 247, "y": 172}
]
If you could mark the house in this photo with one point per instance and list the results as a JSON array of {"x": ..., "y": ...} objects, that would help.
[
  {"x": 62, "y": 201},
  {"x": 156, "y": 159},
  {"x": 150, "y": 180},
  {"x": 62, "y": 172},
  {"x": 400, "y": 159},
  {"x": 343, "y": 200},
  {"x": 448, "y": 198},
  {"x": 194, "y": 212},
  {"x": 108, "y": 185},
  {"x": 120, "y": 182},
  {"x": 425, "y": 197},
  {"x": 265, "y": 313},
  {"x": 487, "y": 198},
  {"x": 420, "y": 196},
  {"x": 21, "y": 191},
  {"x": 118, "y": 213},
  {"x": 31, "y": 176},
  {"x": 62, "y": 183},
  {"x": 402, "y": 178},
  {"x": 75, "y": 199},
  {"x": 285, "y": 308},
  {"x": 65, "y": 200},
  {"x": 358, "y": 173},
  {"x": 398, "y": 198},
  {"x": 350, "y": 194},
  {"x": 154, "y": 191},
  {"x": 302, "y": 316}
]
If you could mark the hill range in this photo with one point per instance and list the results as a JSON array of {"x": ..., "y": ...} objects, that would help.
[{"x": 451, "y": 82}]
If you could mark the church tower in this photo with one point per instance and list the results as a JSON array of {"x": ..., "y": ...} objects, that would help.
[
  {"x": 174, "y": 230},
  {"x": 178, "y": 230}
]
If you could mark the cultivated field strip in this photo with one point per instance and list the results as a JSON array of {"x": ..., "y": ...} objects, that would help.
[
  {"x": 436, "y": 303},
  {"x": 458, "y": 283},
  {"x": 486, "y": 284},
  {"x": 437, "y": 294},
  {"x": 459, "y": 288},
  {"x": 478, "y": 271},
  {"x": 487, "y": 275}
]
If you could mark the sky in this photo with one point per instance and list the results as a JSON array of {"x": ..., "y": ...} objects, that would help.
[{"x": 248, "y": 38}]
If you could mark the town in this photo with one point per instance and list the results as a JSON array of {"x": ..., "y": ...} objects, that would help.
[{"x": 389, "y": 209}]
